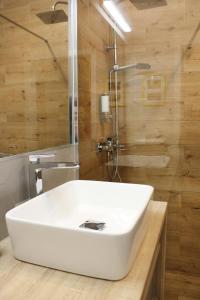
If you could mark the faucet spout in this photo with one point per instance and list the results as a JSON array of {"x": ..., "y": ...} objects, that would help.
[
  {"x": 37, "y": 167},
  {"x": 55, "y": 165}
]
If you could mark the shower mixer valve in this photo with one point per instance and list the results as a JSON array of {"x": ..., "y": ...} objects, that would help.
[
  {"x": 109, "y": 145},
  {"x": 106, "y": 145}
]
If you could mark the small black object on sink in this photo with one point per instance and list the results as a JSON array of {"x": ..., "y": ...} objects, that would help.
[{"x": 94, "y": 225}]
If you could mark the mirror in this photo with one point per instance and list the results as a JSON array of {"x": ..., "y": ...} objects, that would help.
[{"x": 34, "y": 83}]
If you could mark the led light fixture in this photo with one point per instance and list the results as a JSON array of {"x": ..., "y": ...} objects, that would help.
[{"x": 116, "y": 15}]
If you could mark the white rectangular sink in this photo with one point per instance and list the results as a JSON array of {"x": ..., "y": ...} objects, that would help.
[{"x": 46, "y": 230}]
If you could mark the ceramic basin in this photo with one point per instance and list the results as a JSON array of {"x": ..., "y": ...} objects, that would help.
[{"x": 47, "y": 231}]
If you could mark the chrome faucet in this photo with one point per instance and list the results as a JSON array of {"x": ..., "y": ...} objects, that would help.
[{"x": 37, "y": 166}]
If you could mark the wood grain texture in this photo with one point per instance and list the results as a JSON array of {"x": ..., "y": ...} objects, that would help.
[
  {"x": 33, "y": 78},
  {"x": 168, "y": 125},
  {"x": 94, "y": 65},
  {"x": 22, "y": 281}
]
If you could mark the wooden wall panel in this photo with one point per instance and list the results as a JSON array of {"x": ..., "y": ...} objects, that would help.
[
  {"x": 166, "y": 125},
  {"x": 168, "y": 38},
  {"x": 33, "y": 79},
  {"x": 94, "y": 64}
]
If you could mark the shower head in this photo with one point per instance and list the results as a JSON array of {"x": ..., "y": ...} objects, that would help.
[
  {"x": 147, "y": 4},
  {"x": 139, "y": 66},
  {"x": 54, "y": 16}
]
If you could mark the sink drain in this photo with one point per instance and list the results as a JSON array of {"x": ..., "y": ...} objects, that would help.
[{"x": 94, "y": 225}]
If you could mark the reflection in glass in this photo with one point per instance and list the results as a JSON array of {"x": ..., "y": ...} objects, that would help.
[{"x": 34, "y": 83}]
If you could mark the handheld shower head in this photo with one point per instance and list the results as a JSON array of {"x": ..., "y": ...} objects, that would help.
[{"x": 142, "y": 66}]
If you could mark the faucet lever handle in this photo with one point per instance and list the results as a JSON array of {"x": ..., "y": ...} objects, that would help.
[
  {"x": 121, "y": 147},
  {"x": 34, "y": 158}
]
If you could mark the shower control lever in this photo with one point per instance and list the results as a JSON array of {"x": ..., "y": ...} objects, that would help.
[{"x": 120, "y": 147}]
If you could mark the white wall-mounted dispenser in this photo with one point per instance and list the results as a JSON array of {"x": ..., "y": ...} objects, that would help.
[{"x": 105, "y": 113}]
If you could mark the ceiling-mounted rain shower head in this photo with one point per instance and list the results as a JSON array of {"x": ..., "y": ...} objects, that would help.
[
  {"x": 146, "y": 4},
  {"x": 55, "y": 15},
  {"x": 139, "y": 66}
]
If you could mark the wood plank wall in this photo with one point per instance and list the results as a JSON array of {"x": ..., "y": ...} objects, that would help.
[
  {"x": 33, "y": 79},
  {"x": 163, "y": 120},
  {"x": 94, "y": 64}
]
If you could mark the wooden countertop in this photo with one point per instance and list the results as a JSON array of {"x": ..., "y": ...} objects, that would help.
[{"x": 23, "y": 281}]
